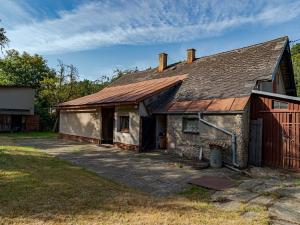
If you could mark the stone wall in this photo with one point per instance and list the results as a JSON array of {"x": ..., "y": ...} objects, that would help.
[{"x": 189, "y": 144}]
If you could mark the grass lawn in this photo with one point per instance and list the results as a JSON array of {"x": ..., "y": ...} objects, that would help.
[
  {"x": 36, "y": 188},
  {"x": 34, "y": 134}
]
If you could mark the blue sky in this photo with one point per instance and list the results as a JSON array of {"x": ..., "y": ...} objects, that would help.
[{"x": 100, "y": 36}]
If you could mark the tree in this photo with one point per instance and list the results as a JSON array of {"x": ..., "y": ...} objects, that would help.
[
  {"x": 24, "y": 69},
  {"x": 3, "y": 38},
  {"x": 119, "y": 73},
  {"x": 28, "y": 70},
  {"x": 296, "y": 64}
]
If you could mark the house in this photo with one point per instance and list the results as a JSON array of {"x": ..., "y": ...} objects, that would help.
[
  {"x": 193, "y": 103},
  {"x": 17, "y": 109}
]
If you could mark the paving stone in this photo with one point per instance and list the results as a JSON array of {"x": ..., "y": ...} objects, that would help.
[
  {"x": 269, "y": 185},
  {"x": 250, "y": 184},
  {"x": 280, "y": 222},
  {"x": 244, "y": 196},
  {"x": 153, "y": 172},
  {"x": 230, "y": 206},
  {"x": 250, "y": 215},
  {"x": 262, "y": 200},
  {"x": 286, "y": 209},
  {"x": 292, "y": 192}
]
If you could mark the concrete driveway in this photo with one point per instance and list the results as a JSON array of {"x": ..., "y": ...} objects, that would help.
[{"x": 154, "y": 172}]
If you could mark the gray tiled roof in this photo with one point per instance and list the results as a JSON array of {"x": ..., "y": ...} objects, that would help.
[{"x": 229, "y": 74}]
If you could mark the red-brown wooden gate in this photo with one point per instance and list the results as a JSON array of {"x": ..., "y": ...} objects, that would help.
[{"x": 281, "y": 130}]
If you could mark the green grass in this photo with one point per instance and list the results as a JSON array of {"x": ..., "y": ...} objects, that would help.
[
  {"x": 197, "y": 193},
  {"x": 36, "y": 188},
  {"x": 43, "y": 134},
  {"x": 297, "y": 182}
]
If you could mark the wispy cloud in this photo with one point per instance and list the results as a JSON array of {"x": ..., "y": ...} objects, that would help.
[{"x": 104, "y": 23}]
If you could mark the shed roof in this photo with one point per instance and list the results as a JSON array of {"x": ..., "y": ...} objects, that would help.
[
  {"x": 208, "y": 105},
  {"x": 128, "y": 93}
]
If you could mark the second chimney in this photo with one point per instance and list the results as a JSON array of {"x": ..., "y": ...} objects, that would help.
[
  {"x": 162, "y": 62},
  {"x": 191, "y": 55}
]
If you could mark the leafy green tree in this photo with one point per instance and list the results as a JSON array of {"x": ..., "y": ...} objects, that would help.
[
  {"x": 53, "y": 86},
  {"x": 295, "y": 51},
  {"x": 28, "y": 70},
  {"x": 3, "y": 38},
  {"x": 24, "y": 69}
]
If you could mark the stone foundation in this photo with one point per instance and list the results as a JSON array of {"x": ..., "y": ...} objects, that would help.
[{"x": 127, "y": 146}]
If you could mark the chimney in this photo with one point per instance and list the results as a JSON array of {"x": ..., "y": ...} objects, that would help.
[
  {"x": 162, "y": 62},
  {"x": 190, "y": 55}
]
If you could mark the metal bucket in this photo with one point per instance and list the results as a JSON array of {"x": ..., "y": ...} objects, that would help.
[{"x": 215, "y": 157}]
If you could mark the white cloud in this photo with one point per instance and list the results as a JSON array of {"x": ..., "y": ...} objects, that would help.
[{"x": 105, "y": 23}]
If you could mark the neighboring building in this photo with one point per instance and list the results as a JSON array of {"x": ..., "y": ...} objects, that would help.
[
  {"x": 17, "y": 109},
  {"x": 138, "y": 110}
]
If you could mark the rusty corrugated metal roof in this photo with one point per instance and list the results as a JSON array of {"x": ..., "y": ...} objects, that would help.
[
  {"x": 130, "y": 93},
  {"x": 213, "y": 105}
]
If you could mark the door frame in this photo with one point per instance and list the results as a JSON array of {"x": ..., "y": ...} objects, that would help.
[{"x": 104, "y": 125}]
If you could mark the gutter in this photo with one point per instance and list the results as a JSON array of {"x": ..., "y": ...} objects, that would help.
[
  {"x": 233, "y": 137},
  {"x": 275, "y": 95}
]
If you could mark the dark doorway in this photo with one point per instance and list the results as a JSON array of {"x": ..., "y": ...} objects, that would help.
[
  {"x": 161, "y": 131},
  {"x": 107, "y": 125},
  {"x": 148, "y": 133},
  {"x": 16, "y": 123}
]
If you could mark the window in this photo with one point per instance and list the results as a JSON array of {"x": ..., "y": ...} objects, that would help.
[
  {"x": 123, "y": 124},
  {"x": 190, "y": 125},
  {"x": 280, "y": 105}
]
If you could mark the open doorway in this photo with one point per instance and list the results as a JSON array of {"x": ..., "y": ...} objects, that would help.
[
  {"x": 107, "y": 115},
  {"x": 147, "y": 133},
  {"x": 16, "y": 123},
  {"x": 161, "y": 131}
]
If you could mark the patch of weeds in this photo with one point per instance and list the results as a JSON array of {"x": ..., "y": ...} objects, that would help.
[
  {"x": 197, "y": 193},
  {"x": 297, "y": 182},
  {"x": 273, "y": 194},
  {"x": 254, "y": 208},
  {"x": 259, "y": 214},
  {"x": 222, "y": 199},
  {"x": 179, "y": 164}
]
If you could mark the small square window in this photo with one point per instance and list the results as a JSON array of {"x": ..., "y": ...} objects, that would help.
[
  {"x": 123, "y": 124},
  {"x": 190, "y": 125},
  {"x": 280, "y": 105}
]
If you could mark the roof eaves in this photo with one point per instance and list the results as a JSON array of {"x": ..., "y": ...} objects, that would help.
[
  {"x": 279, "y": 59},
  {"x": 276, "y": 95}
]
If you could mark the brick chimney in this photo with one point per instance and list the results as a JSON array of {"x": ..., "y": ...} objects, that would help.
[
  {"x": 190, "y": 55},
  {"x": 162, "y": 62}
]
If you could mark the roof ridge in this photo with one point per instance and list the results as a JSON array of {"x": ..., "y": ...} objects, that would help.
[
  {"x": 180, "y": 62},
  {"x": 166, "y": 77},
  {"x": 245, "y": 47}
]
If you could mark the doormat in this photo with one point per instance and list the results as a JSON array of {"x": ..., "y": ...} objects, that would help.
[{"x": 215, "y": 183}]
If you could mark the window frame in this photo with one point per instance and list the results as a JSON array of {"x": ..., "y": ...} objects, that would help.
[
  {"x": 279, "y": 105},
  {"x": 184, "y": 130},
  {"x": 126, "y": 129}
]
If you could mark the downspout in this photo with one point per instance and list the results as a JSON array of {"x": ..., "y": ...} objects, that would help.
[{"x": 233, "y": 138}]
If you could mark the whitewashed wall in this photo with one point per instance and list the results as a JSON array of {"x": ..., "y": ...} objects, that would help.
[{"x": 81, "y": 123}]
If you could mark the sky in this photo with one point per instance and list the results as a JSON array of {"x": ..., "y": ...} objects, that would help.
[{"x": 101, "y": 36}]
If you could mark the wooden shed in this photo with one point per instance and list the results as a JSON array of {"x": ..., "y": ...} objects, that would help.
[{"x": 275, "y": 130}]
